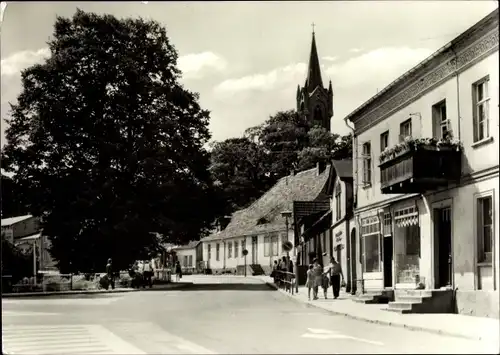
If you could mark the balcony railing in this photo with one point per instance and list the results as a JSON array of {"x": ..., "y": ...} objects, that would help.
[{"x": 417, "y": 168}]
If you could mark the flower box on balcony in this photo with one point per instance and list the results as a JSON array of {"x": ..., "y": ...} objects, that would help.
[{"x": 420, "y": 165}]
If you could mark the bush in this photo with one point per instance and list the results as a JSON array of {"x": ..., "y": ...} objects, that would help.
[{"x": 84, "y": 285}]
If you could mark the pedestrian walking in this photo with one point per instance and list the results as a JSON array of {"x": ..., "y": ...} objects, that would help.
[
  {"x": 318, "y": 277},
  {"x": 309, "y": 281},
  {"x": 178, "y": 271},
  {"x": 336, "y": 275},
  {"x": 148, "y": 274},
  {"x": 273, "y": 273},
  {"x": 109, "y": 274}
]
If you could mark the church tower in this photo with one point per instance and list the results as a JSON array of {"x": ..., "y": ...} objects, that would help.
[{"x": 314, "y": 101}]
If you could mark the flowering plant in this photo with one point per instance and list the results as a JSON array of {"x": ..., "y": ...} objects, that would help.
[{"x": 411, "y": 143}]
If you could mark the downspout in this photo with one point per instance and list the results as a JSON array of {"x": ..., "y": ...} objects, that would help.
[
  {"x": 355, "y": 162},
  {"x": 355, "y": 202},
  {"x": 457, "y": 76}
]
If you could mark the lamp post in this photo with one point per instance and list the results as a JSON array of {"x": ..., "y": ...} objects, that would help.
[{"x": 288, "y": 214}]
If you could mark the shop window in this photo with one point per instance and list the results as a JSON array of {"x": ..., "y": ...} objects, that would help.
[
  {"x": 236, "y": 246},
  {"x": 217, "y": 251},
  {"x": 407, "y": 245},
  {"x": 209, "y": 247},
  {"x": 370, "y": 231},
  {"x": 230, "y": 250}
]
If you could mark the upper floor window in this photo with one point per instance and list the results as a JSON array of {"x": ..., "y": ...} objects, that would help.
[
  {"x": 481, "y": 110},
  {"x": 338, "y": 203},
  {"x": 367, "y": 163},
  {"x": 384, "y": 141},
  {"x": 441, "y": 124},
  {"x": 318, "y": 116},
  {"x": 405, "y": 130}
]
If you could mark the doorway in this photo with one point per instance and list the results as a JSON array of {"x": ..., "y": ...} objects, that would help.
[
  {"x": 254, "y": 250},
  {"x": 442, "y": 244},
  {"x": 353, "y": 261},
  {"x": 388, "y": 255}
]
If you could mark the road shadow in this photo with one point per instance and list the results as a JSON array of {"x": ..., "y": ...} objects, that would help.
[{"x": 226, "y": 287}]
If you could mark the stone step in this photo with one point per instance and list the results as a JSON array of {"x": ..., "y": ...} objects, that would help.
[
  {"x": 415, "y": 293},
  {"x": 401, "y": 305},
  {"x": 412, "y": 299}
]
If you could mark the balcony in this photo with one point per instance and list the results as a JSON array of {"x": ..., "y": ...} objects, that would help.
[{"x": 420, "y": 165}]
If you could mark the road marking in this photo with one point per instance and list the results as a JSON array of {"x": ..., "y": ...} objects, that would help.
[
  {"x": 329, "y": 334},
  {"x": 157, "y": 340},
  {"x": 63, "y": 339}
]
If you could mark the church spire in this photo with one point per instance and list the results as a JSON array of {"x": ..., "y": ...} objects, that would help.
[{"x": 314, "y": 70}]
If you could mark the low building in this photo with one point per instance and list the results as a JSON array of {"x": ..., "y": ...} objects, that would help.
[
  {"x": 24, "y": 232},
  {"x": 323, "y": 234},
  {"x": 426, "y": 172},
  {"x": 262, "y": 228},
  {"x": 186, "y": 255}
]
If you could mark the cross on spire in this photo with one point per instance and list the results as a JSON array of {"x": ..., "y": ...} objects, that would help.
[{"x": 313, "y": 25}]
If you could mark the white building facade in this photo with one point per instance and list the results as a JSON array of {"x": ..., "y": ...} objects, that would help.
[{"x": 426, "y": 164}]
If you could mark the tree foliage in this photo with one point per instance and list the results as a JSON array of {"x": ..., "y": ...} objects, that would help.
[
  {"x": 247, "y": 167},
  {"x": 241, "y": 169},
  {"x": 11, "y": 197},
  {"x": 107, "y": 146}
]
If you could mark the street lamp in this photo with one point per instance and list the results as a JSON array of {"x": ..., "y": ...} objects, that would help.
[{"x": 288, "y": 214}]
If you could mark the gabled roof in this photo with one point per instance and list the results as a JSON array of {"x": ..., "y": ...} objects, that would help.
[
  {"x": 13, "y": 220},
  {"x": 191, "y": 245},
  {"x": 307, "y": 185},
  {"x": 343, "y": 168}
]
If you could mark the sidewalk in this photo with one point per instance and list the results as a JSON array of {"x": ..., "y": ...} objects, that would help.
[{"x": 476, "y": 328}]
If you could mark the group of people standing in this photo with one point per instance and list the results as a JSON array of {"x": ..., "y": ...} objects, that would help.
[{"x": 317, "y": 276}]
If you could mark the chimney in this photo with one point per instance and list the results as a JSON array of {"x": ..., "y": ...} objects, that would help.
[
  {"x": 321, "y": 165},
  {"x": 292, "y": 172}
]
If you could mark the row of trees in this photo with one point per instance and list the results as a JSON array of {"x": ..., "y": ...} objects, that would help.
[
  {"x": 244, "y": 168},
  {"x": 106, "y": 146}
]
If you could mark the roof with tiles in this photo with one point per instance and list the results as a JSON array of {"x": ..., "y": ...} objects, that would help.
[
  {"x": 264, "y": 215},
  {"x": 190, "y": 245}
]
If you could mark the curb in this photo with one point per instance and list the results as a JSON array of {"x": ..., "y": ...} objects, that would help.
[
  {"x": 375, "y": 321},
  {"x": 64, "y": 293},
  {"x": 91, "y": 292}
]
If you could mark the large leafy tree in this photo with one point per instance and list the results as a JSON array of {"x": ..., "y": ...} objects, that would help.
[
  {"x": 241, "y": 169},
  {"x": 11, "y": 197},
  {"x": 107, "y": 145},
  {"x": 246, "y": 167}
]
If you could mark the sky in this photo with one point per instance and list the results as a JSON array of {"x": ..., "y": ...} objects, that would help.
[{"x": 245, "y": 59}]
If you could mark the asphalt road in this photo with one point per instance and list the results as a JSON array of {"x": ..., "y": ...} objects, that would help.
[{"x": 216, "y": 315}]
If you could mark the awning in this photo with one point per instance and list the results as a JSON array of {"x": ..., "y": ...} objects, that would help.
[{"x": 406, "y": 217}]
